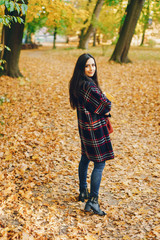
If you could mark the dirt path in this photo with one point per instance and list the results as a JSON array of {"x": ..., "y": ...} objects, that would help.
[{"x": 40, "y": 151}]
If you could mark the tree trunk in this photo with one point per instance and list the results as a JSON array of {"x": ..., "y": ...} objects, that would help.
[
  {"x": 54, "y": 38},
  {"x": 12, "y": 39},
  {"x": 83, "y": 29},
  {"x": 94, "y": 38},
  {"x": 84, "y": 38},
  {"x": 146, "y": 19},
  {"x": 120, "y": 53}
]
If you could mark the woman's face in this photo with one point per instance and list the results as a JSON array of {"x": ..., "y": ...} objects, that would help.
[{"x": 90, "y": 67}]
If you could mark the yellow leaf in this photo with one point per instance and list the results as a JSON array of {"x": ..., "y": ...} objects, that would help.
[
  {"x": 8, "y": 157},
  {"x": 34, "y": 157},
  {"x": 126, "y": 237},
  {"x": 26, "y": 194},
  {"x": 110, "y": 97},
  {"x": 21, "y": 82},
  {"x": 135, "y": 191},
  {"x": 34, "y": 114},
  {"x": 12, "y": 198},
  {"x": 1, "y": 176},
  {"x": 39, "y": 198},
  {"x": 39, "y": 124},
  {"x": 23, "y": 168},
  {"x": 8, "y": 191},
  {"x": 90, "y": 237},
  {"x": 155, "y": 174},
  {"x": 53, "y": 208}
]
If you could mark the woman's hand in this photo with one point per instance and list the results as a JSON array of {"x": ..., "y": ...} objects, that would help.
[{"x": 107, "y": 115}]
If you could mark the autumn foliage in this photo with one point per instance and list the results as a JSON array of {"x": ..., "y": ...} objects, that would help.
[{"x": 40, "y": 151}]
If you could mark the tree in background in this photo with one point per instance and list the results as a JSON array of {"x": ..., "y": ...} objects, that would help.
[
  {"x": 60, "y": 15},
  {"x": 35, "y": 19},
  {"x": 12, "y": 34},
  {"x": 156, "y": 11},
  {"x": 150, "y": 13},
  {"x": 68, "y": 17},
  {"x": 133, "y": 11},
  {"x": 33, "y": 26},
  {"x": 88, "y": 32},
  {"x": 13, "y": 29},
  {"x": 145, "y": 18},
  {"x": 85, "y": 23},
  {"x": 109, "y": 20}
]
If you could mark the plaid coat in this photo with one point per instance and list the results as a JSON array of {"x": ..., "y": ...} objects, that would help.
[{"x": 95, "y": 140}]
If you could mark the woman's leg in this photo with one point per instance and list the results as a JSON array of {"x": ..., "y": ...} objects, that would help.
[
  {"x": 82, "y": 171},
  {"x": 96, "y": 178},
  {"x": 95, "y": 184}
]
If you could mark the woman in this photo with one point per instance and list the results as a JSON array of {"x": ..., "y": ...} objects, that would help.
[{"x": 92, "y": 109}]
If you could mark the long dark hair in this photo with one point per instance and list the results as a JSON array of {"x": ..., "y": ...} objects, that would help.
[{"x": 79, "y": 77}]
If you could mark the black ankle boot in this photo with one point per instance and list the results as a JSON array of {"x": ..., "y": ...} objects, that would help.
[
  {"x": 83, "y": 195},
  {"x": 92, "y": 203}
]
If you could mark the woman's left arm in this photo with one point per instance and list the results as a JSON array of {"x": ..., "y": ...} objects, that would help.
[{"x": 95, "y": 101}]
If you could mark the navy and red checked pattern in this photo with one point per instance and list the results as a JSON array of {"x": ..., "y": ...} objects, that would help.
[{"x": 95, "y": 139}]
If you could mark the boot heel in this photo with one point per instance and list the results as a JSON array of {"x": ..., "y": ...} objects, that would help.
[
  {"x": 87, "y": 207},
  {"x": 93, "y": 204}
]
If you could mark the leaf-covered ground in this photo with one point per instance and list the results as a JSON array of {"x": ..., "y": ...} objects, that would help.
[{"x": 40, "y": 151}]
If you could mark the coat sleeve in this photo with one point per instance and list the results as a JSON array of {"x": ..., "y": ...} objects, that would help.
[{"x": 95, "y": 101}]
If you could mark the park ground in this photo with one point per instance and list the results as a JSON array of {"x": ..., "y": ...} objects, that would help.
[{"x": 40, "y": 150}]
